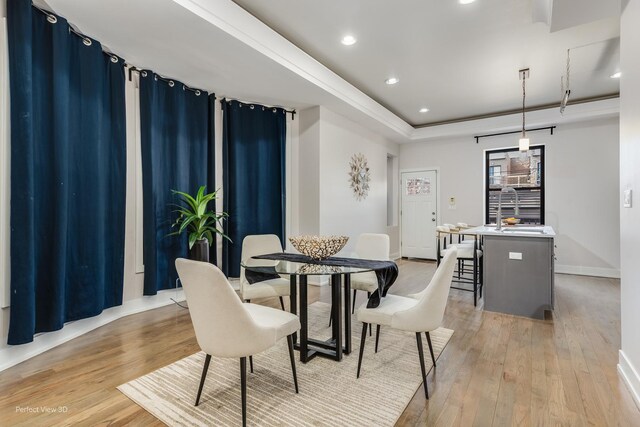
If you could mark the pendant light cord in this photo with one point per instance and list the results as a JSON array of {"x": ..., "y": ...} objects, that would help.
[{"x": 524, "y": 94}]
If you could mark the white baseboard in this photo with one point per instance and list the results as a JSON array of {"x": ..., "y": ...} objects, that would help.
[
  {"x": 395, "y": 256},
  {"x": 12, "y": 355},
  {"x": 588, "y": 271},
  {"x": 629, "y": 376}
]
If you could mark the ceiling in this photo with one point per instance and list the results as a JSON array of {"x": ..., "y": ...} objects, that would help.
[{"x": 460, "y": 61}]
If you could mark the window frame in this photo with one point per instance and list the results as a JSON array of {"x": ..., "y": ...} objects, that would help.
[{"x": 541, "y": 176}]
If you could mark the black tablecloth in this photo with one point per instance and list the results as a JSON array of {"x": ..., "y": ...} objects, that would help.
[{"x": 386, "y": 271}]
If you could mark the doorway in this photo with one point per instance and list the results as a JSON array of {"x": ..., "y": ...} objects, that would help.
[{"x": 419, "y": 213}]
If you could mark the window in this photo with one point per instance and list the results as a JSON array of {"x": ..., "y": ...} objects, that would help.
[
  {"x": 522, "y": 171},
  {"x": 494, "y": 174}
]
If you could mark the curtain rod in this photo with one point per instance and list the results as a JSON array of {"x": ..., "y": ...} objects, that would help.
[
  {"x": 292, "y": 112},
  {"x": 53, "y": 19},
  {"x": 168, "y": 80},
  {"x": 549, "y": 128}
]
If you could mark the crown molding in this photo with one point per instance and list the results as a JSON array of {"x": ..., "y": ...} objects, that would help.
[{"x": 512, "y": 122}]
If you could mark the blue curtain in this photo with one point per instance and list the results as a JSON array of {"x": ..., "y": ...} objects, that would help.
[
  {"x": 254, "y": 139},
  {"x": 67, "y": 175},
  {"x": 177, "y": 154}
]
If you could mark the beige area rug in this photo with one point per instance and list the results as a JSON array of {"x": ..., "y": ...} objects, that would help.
[{"x": 330, "y": 394}]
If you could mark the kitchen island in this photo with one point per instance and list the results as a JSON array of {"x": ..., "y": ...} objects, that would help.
[{"x": 518, "y": 267}]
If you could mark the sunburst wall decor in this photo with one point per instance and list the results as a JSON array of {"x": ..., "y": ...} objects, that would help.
[{"x": 359, "y": 176}]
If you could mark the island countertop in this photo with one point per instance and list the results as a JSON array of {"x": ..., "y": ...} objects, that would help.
[{"x": 524, "y": 230}]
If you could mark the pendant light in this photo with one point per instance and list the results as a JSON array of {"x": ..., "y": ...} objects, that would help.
[{"x": 524, "y": 140}]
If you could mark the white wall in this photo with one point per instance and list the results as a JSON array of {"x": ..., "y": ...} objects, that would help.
[
  {"x": 326, "y": 202},
  {"x": 308, "y": 208},
  {"x": 581, "y": 188},
  {"x": 629, "y": 365}
]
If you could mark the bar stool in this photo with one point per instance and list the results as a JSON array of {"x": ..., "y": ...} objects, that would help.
[{"x": 467, "y": 252}]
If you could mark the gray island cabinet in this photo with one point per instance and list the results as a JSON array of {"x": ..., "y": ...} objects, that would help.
[{"x": 518, "y": 264}]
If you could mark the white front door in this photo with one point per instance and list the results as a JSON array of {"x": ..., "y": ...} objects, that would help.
[{"x": 419, "y": 214}]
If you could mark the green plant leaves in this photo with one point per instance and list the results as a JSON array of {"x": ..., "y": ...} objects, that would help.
[{"x": 194, "y": 217}]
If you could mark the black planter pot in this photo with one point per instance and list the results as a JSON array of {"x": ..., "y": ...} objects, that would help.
[{"x": 200, "y": 251}]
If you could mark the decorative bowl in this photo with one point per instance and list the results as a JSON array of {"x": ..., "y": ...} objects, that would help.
[
  {"x": 318, "y": 269},
  {"x": 318, "y": 247}
]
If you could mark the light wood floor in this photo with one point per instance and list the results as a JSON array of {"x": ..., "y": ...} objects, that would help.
[{"x": 497, "y": 370}]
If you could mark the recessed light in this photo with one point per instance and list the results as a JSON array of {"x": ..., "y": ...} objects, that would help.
[
  {"x": 349, "y": 40},
  {"x": 616, "y": 75},
  {"x": 424, "y": 110},
  {"x": 466, "y": 1},
  {"x": 392, "y": 80}
]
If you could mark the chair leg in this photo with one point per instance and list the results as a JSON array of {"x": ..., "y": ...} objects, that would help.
[
  {"x": 433, "y": 358},
  {"x": 424, "y": 373},
  {"x": 475, "y": 281},
  {"x": 481, "y": 273},
  {"x": 353, "y": 304},
  {"x": 243, "y": 385},
  {"x": 293, "y": 362},
  {"x": 362, "y": 341},
  {"x": 282, "y": 304},
  {"x": 207, "y": 360},
  {"x": 369, "y": 296},
  {"x": 377, "y": 336},
  {"x": 251, "y": 364}
]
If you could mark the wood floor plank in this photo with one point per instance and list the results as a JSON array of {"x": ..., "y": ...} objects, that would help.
[
  {"x": 497, "y": 369},
  {"x": 540, "y": 390}
]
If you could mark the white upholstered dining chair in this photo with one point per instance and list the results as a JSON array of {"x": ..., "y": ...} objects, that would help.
[
  {"x": 417, "y": 315},
  {"x": 369, "y": 246},
  {"x": 262, "y": 244},
  {"x": 225, "y": 327}
]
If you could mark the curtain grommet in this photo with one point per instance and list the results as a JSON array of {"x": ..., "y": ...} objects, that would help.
[
  {"x": 252, "y": 106},
  {"x": 143, "y": 73},
  {"x": 114, "y": 59},
  {"x": 87, "y": 41},
  {"x": 198, "y": 92},
  {"x": 171, "y": 83},
  {"x": 52, "y": 19}
]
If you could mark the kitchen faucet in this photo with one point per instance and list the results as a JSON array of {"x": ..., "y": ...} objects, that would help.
[{"x": 499, "y": 215}]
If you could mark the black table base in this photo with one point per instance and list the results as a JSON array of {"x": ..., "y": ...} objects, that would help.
[
  {"x": 332, "y": 348},
  {"x": 386, "y": 274}
]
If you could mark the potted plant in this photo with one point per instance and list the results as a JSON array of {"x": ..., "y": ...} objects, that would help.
[{"x": 200, "y": 224}]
